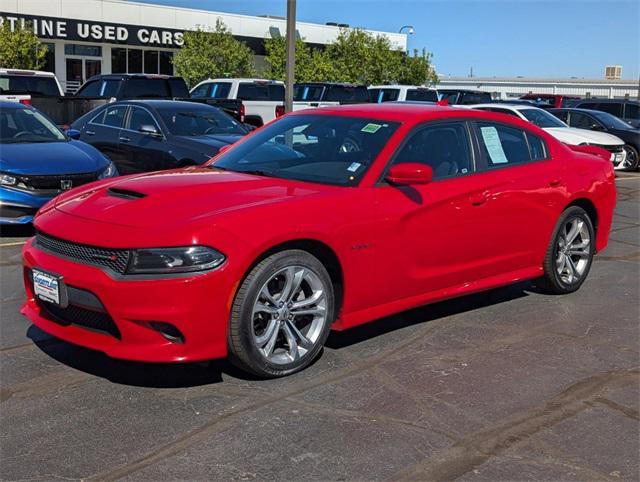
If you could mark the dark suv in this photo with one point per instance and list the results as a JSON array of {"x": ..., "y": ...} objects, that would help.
[
  {"x": 134, "y": 86},
  {"x": 464, "y": 97},
  {"x": 627, "y": 110}
]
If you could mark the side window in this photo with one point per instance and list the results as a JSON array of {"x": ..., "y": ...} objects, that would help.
[
  {"x": 98, "y": 119},
  {"x": 581, "y": 121},
  {"x": 422, "y": 95},
  {"x": 90, "y": 89},
  {"x": 445, "y": 147},
  {"x": 114, "y": 116},
  {"x": 140, "y": 117},
  {"x": 201, "y": 91},
  {"x": 611, "y": 108},
  {"x": 537, "y": 147},
  {"x": 632, "y": 111},
  {"x": 502, "y": 145},
  {"x": 562, "y": 115}
]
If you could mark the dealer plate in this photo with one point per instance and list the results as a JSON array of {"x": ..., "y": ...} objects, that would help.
[{"x": 49, "y": 287}]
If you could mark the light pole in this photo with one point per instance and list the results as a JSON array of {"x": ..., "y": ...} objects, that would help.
[
  {"x": 291, "y": 55},
  {"x": 410, "y": 27}
]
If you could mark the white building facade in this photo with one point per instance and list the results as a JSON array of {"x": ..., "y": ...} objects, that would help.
[
  {"x": 513, "y": 87},
  {"x": 89, "y": 37}
]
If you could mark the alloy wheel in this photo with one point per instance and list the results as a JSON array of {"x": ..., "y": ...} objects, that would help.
[
  {"x": 573, "y": 251},
  {"x": 289, "y": 314}
]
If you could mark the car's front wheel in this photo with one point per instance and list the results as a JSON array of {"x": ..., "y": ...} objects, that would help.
[
  {"x": 570, "y": 253},
  {"x": 631, "y": 160},
  {"x": 281, "y": 315}
]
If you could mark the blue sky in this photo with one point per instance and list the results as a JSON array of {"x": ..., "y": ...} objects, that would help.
[{"x": 532, "y": 38}]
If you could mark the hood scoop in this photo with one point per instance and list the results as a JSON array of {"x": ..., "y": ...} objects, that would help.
[{"x": 125, "y": 193}]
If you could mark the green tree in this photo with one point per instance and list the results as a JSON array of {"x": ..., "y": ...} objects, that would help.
[
  {"x": 417, "y": 69},
  {"x": 21, "y": 49},
  {"x": 311, "y": 64},
  {"x": 213, "y": 54}
]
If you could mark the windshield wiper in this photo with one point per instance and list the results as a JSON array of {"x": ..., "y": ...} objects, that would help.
[{"x": 258, "y": 172}]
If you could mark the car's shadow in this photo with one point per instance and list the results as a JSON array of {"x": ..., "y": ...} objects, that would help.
[{"x": 161, "y": 375}]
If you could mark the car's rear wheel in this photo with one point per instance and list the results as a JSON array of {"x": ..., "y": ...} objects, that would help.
[
  {"x": 281, "y": 315},
  {"x": 631, "y": 160},
  {"x": 570, "y": 253}
]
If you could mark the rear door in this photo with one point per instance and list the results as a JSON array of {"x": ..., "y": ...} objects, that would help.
[
  {"x": 524, "y": 188},
  {"x": 143, "y": 152},
  {"x": 103, "y": 132}
]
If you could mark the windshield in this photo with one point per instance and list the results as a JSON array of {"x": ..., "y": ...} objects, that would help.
[
  {"x": 27, "y": 125},
  {"x": 542, "y": 118},
  {"x": 610, "y": 121},
  {"x": 200, "y": 122},
  {"x": 317, "y": 148}
]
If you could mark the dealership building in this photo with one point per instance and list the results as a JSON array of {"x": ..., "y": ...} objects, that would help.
[{"x": 89, "y": 37}]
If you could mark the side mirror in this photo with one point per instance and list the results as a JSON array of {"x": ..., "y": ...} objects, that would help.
[
  {"x": 149, "y": 130},
  {"x": 596, "y": 127},
  {"x": 409, "y": 173},
  {"x": 73, "y": 134},
  {"x": 249, "y": 127}
]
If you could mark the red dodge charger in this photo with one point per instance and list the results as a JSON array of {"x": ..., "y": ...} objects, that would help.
[{"x": 323, "y": 219}]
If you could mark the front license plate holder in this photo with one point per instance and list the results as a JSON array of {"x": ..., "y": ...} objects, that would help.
[{"x": 49, "y": 287}]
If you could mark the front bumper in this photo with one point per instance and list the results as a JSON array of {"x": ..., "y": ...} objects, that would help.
[
  {"x": 19, "y": 207},
  {"x": 198, "y": 306}
]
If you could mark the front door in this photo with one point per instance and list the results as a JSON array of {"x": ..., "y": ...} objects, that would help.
[
  {"x": 79, "y": 69},
  {"x": 434, "y": 236},
  {"x": 142, "y": 152}
]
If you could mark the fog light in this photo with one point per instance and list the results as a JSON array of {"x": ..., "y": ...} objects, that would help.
[{"x": 167, "y": 330}]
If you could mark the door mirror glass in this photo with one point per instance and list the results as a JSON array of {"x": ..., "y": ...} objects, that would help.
[
  {"x": 596, "y": 127},
  {"x": 410, "y": 173},
  {"x": 73, "y": 134}
]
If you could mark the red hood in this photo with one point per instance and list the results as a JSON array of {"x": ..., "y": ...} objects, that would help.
[{"x": 171, "y": 198}]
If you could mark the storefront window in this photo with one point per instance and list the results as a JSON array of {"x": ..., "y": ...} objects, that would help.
[
  {"x": 50, "y": 58},
  {"x": 150, "y": 61},
  {"x": 135, "y": 61},
  {"x": 84, "y": 50},
  {"x": 118, "y": 61},
  {"x": 166, "y": 63}
]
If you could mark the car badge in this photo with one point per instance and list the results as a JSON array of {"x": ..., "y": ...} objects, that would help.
[{"x": 66, "y": 184}]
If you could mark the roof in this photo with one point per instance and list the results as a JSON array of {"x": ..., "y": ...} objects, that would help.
[
  {"x": 25, "y": 72},
  {"x": 517, "y": 107},
  {"x": 331, "y": 84},
  {"x": 162, "y": 103},
  {"x": 132, "y": 76},
  {"x": 539, "y": 80},
  {"x": 245, "y": 79},
  {"x": 7, "y": 104}
]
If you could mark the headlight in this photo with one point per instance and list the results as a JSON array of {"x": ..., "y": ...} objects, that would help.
[
  {"x": 174, "y": 260},
  {"x": 8, "y": 180},
  {"x": 108, "y": 171}
]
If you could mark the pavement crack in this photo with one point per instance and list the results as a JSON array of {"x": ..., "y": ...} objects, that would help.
[
  {"x": 626, "y": 411},
  {"x": 475, "y": 449}
]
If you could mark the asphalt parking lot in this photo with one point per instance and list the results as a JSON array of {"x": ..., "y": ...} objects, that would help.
[{"x": 506, "y": 385}]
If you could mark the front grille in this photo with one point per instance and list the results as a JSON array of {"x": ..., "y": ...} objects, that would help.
[
  {"x": 76, "y": 315},
  {"x": 112, "y": 259},
  {"x": 612, "y": 149},
  {"x": 46, "y": 183}
]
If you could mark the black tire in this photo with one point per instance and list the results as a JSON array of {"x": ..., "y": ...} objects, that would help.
[
  {"x": 631, "y": 151},
  {"x": 552, "y": 281},
  {"x": 243, "y": 351}
]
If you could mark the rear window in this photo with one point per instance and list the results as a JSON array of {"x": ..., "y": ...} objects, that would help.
[
  {"x": 347, "y": 94},
  {"x": 422, "y": 95},
  {"x": 146, "y": 88},
  {"x": 178, "y": 88},
  {"x": 383, "y": 95},
  {"x": 476, "y": 98},
  {"x": 99, "y": 88},
  {"x": 260, "y": 91},
  {"x": 32, "y": 85},
  {"x": 212, "y": 90},
  {"x": 611, "y": 108},
  {"x": 308, "y": 93}
]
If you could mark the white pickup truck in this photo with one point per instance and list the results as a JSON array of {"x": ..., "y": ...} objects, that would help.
[
  {"x": 263, "y": 100},
  {"x": 20, "y": 85},
  {"x": 401, "y": 93}
]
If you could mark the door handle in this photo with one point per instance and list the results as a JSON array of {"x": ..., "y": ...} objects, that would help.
[
  {"x": 555, "y": 182},
  {"x": 479, "y": 198},
  {"x": 90, "y": 133},
  {"x": 125, "y": 139}
]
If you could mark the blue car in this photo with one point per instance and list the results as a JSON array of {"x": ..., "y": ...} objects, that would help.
[{"x": 37, "y": 162}]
